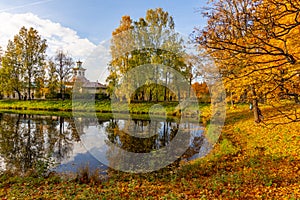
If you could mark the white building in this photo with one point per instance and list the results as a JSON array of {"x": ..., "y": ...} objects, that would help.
[{"x": 81, "y": 81}]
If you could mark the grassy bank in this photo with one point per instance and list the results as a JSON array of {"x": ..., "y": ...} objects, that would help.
[
  {"x": 250, "y": 161},
  {"x": 45, "y": 105},
  {"x": 104, "y": 106}
]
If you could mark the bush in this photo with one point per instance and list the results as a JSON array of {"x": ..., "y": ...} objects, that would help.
[
  {"x": 98, "y": 96},
  {"x": 101, "y": 96},
  {"x": 58, "y": 96}
]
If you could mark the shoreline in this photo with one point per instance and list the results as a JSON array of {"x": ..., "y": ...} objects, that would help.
[{"x": 167, "y": 109}]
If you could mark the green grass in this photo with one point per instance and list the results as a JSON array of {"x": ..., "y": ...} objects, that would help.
[
  {"x": 49, "y": 105},
  {"x": 104, "y": 106}
]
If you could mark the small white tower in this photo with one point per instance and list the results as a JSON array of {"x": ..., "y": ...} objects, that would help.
[{"x": 78, "y": 70}]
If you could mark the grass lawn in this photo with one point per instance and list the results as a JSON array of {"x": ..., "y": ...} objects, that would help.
[
  {"x": 103, "y": 106},
  {"x": 250, "y": 161}
]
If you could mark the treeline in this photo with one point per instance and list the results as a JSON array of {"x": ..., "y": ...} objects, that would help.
[{"x": 28, "y": 73}]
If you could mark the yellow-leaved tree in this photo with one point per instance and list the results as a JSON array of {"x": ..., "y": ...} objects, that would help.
[{"x": 255, "y": 44}]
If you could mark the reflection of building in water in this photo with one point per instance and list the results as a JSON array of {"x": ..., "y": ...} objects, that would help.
[{"x": 83, "y": 83}]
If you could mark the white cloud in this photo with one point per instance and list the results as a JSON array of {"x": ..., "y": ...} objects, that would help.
[
  {"x": 57, "y": 36},
  {"x": 97, "y": 62}
]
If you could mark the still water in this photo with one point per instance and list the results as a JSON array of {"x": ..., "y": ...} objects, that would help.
[{"x": 64, "y": 144}]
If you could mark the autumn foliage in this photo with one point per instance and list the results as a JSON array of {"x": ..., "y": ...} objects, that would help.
[
  {"x": 255, "y": 44},
  {"x": 202, "y": 92}
]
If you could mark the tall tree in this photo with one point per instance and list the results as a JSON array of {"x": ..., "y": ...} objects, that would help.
[
  {"x": 30, "y": 51},
  {"x": 12, "y": 72},
  {"x": 40, "y": 83},
  {"x": 52, "y": 81},
  {"x": 121, "y": 41},
  {"x": 150, "y": 40},
  {"x": 255, "y": 45},
  {"x": 64, "y": 65}
]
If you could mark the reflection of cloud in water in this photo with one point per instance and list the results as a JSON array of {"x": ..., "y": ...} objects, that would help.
[
  {"x": 94, "y": 140},
  {"x": 79, "y": 161},
  {"x": 83, "y": 155},
  {"x": 78, "y": 148}
]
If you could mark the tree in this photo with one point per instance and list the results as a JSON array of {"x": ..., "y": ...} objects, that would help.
[
  {"x": 30, "y": 50},
  {"x": 150, "y": 40},
  {"x": 11, "y": 72},
  {"x": 202, "y": 91},
  {"x": 40, "y": 84},
  {"x": 27, "y": 141},
  {"x": 52, "y": 81},
  {"x": 63, "y": 64},
  {"x": 255, "y": 45},
  {"x": 119, "y": 46}
]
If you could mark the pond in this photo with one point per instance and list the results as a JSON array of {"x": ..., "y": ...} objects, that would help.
[{"x": 66, "y": 144}]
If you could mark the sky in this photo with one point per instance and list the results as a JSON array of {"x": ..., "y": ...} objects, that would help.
[{"x": 83, "y": 28}]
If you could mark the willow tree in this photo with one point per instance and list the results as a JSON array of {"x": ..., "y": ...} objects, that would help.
[
  {"x": 30, "y": 50},
  {"x": 150, "y": 40},
  {"x": 255, "y": 44}
]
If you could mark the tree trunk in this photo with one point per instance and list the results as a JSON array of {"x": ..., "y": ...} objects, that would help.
[
  {"x": 165, "y": 94},
  {"x": 61, "y": 90},
  {"x": 150, "y": 95},
  {"x": 190, "y": 82},
  {"x": 256, "y": 112},
  {"x": 143, "y": 95},
  {"x": 296, "y": 99},
  {"x": 19, "y": 94},
  {"x": 29, "y": 88}
]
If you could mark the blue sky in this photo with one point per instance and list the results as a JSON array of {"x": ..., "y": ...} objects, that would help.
[
  {"x": 95, "y": 19},
  {"x": 80, "y": 25}
]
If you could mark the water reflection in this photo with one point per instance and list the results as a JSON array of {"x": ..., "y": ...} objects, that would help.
[
  {"x": 25, "y": 140},
  {"x": 146, "y": 145}
]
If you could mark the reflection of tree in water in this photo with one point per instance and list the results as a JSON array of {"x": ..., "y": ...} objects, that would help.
[
  {"x": 20, "y": 145},
  {"x": 62, "y": 137},
  {"x": 125, "y": 135},
  {"x": 27, "y": 139}
]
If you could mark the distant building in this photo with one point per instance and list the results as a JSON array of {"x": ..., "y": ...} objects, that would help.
[{"x": 83, "y": 83}]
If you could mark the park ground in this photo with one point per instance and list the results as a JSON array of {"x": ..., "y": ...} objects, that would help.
[{"x": 249, "y": 161}]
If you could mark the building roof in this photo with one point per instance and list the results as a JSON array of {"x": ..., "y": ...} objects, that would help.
[{"x": 93, "y": 85}]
